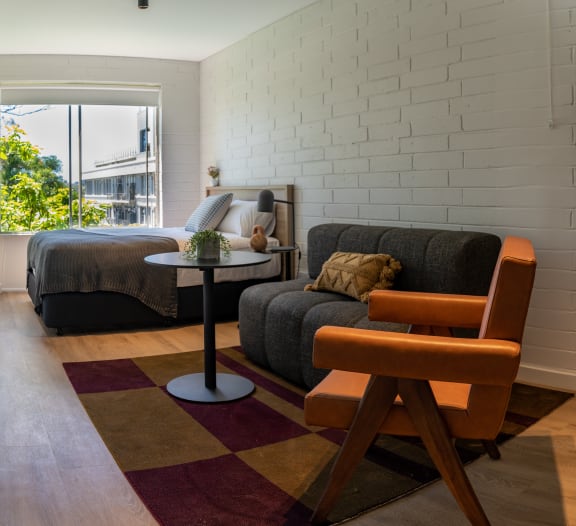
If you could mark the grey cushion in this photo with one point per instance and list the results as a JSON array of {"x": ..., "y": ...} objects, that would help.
[
  {"x": 432, "y": 260},
  {"x": 209, "y": 213}
]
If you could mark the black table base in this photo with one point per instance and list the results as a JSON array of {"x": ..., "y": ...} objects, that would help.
[
  {"x": 209, "y": 386},
  {"x": 192, "y": 387}
]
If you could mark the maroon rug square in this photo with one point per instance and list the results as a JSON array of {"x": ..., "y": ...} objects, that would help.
[
  {"x": 102, "y": 376},
  {"x": 270, "y": 385},
  {"x": 222, "y": 491},
  {"x": 245, "y": 424}
]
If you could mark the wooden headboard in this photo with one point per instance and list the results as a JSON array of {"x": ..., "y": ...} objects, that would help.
[{"x": 283, "y": 231}]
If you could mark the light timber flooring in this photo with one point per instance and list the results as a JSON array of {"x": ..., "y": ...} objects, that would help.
[{"x": 54, "y": 469}]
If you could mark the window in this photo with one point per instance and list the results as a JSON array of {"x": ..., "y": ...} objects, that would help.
[{"x": 69, "y": 165}]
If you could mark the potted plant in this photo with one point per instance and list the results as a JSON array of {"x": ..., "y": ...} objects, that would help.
[
  {"x": 206, "y": 245},
  {"x": 214, "y": 174}
]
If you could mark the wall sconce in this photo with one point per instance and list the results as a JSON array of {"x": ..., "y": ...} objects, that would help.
[{"x": 143, "y": 4}]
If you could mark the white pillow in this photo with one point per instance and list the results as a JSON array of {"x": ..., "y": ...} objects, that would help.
[
  {"x": 243, "y": 215},
  {"x": 209, "y": 213}
]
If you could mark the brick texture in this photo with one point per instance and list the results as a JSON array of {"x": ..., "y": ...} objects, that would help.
[{"x": 444, "y": 113}]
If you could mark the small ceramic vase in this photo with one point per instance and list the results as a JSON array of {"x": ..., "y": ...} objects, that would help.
[{"x": 258, "y": 241}]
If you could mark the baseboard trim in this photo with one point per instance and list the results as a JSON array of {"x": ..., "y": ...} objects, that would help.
[{"x": 563, "y": 379}]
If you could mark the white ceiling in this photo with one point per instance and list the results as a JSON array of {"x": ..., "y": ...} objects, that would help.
[{"x": 168, "y": 29}]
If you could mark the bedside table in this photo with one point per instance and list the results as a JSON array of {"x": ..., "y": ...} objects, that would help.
[{"x": 287, "y": 256}]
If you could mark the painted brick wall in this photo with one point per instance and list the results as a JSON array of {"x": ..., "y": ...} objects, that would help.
[{"x": 422, "y": 113}]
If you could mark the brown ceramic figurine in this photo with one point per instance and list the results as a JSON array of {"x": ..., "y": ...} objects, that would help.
[{"x": 258, "y": 241}]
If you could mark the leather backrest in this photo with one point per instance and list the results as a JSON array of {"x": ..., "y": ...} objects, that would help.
[{"x": 510, "y": 290}]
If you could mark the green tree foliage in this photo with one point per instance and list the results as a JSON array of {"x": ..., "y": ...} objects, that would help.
[
  {"x": 33, "y": 195},
  {"x": 16, "y": 154}
]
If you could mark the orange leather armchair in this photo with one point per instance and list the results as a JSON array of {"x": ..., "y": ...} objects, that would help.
[{"x": 427, "y": 382}]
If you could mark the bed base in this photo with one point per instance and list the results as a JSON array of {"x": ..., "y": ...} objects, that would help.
[{"x": 99, "y": 311}]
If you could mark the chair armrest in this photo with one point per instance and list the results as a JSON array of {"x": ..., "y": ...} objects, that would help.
[
  {"x": 416, "y": 356},
  {"x": 426, "y": 308}
]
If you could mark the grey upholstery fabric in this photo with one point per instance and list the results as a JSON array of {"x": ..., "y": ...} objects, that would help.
[
  {"x": 432, "y": 260},
  {"x": 254, "y": 314},
  {"x": 278, "y": 320}
]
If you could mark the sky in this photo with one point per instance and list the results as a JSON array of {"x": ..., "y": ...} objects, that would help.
[{"x": 106, "y": 131}]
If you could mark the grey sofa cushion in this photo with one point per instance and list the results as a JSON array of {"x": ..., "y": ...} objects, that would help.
[
  {"x": 432, "y": 260},
  {"x": 253, "y": 313}
]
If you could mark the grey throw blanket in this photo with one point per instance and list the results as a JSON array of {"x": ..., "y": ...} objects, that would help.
[{"x": 105, "y": 260}]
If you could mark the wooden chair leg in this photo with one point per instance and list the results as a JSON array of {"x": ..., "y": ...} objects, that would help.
[
  {"x": 372, "y": 411},
  {"x": 492, "y": 449},
  {"x": 421, "y": 405}
]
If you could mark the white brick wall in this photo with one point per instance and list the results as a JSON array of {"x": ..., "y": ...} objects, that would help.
[{"x": 428, "y": 113}]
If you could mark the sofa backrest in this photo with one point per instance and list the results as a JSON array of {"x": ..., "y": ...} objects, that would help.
[{"x": 432, "y": 260}]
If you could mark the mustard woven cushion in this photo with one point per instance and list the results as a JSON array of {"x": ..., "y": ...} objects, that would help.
[{"x": 356, "y": 275}]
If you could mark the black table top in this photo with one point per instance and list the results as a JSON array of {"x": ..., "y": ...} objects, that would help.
[{"x": 237, "y": 258}]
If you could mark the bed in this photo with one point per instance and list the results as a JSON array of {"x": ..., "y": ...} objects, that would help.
[{"x": 96, "y": 279}]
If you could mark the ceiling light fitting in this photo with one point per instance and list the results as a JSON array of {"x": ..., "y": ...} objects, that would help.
[{"x": 143, "y": 4}]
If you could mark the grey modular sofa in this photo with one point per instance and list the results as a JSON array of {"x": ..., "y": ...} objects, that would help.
[{"x": 278, "y": 320}]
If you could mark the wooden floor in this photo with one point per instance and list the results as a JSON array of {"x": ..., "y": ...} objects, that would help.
[{"x": 54, "y": 469}]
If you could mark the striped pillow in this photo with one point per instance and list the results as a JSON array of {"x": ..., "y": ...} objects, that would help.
[{"x": 209, "y": 213}]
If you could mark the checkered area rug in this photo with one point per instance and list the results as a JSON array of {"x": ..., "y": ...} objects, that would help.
[{"x": 251, "y": 462}]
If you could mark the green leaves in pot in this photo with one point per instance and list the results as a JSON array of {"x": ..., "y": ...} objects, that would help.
[{"x": 206, "y": 244}]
